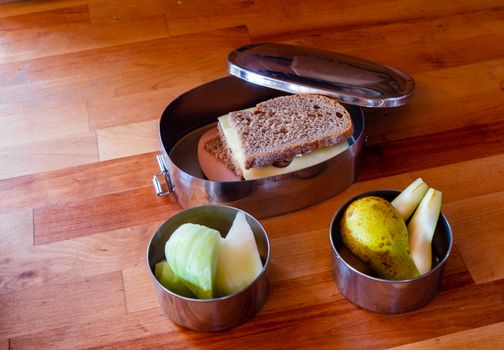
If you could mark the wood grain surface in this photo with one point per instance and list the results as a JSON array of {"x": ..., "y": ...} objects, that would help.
[{"x": 83, "y": 84}]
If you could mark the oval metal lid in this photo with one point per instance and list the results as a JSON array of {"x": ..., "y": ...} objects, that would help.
[{"x": 299, "y": 69}]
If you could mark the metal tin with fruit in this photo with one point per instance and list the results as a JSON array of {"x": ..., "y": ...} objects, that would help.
[
  {"x": 218, "y": 313},
  {"x": 367, "y": 290}
]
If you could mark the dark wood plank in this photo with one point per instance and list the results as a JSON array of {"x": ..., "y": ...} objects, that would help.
[
  {"x": 431, "y": 150},
  {"x": 110, "y": 212}
]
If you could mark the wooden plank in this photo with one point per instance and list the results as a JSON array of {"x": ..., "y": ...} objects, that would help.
[
  {"x": 148, "y": 326},
  {"x": 139, "y": 289},
  {"x": 14, "y": 9},
  {"x": 106, "y": 213},
  {"x": 439, "y": 95},
  {"x": 189, "y": 17},
  {"x": 80, "y": 182},
  {"x": 30, "y": 267},
  {"x": 29, "y": 158},
  {"x": 61, "y": 305},
  {"x": 446, "y": 41},
  {"x": 138, "y": 107},
  {"x": 99, "y": 332},
  {"x": 476, "y": 224},
  {"x": 333, "y": 325},
  {"x": 67, "y": 30},
  {"x": 113, "y": 12},
  {"x": 127, "y": 140},
  {"x": 26, "y": 124},
  {"x": 438, "y": 149},
  {"x": 60, "y": 16},
  {"x": 488, "y": 337},
  {"x": 477, "y": 178},
  {"x": 120, "y": 70},
  {"x": 16, "y": 234}
]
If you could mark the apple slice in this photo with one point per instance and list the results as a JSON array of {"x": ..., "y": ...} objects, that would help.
[{"x": 239, "y": 262}]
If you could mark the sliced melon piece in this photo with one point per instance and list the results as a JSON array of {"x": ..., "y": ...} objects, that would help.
[
  {"x": 239, "y": 262},
  {"x": 192, "y": 254},
  {"x": 170, "y": 280}
]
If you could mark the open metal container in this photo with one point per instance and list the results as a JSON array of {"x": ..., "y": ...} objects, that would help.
[{"x": 261, "y": 72}]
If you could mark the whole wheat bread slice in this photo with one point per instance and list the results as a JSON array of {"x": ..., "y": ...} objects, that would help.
[
  {"x": 215, "y": 147},
  {"x": 283, "y": 127}
]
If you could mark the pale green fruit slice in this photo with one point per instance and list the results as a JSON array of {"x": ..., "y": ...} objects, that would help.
[
  {"x": 192, "y": 254},
  {"x": 407, "y": 201},
  {"x": 421, "y": 229},
  {"x": 170, "y": 280},
  {"x": 239, "y": 262}
]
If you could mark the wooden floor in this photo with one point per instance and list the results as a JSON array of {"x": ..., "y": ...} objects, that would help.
[{"x": 82, "y": 86}]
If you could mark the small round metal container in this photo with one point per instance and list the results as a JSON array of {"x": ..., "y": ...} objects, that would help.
[
  {"x": 216, "y": 314},
  {"x": 389, "y": 296}
]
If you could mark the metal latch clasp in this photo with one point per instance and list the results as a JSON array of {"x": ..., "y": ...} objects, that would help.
[{"x": 158, "y": 187}]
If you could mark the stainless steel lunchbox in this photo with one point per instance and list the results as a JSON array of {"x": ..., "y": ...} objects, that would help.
[{"x": 261, "y": 72}]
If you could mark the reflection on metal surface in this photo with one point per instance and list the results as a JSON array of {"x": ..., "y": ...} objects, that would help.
[{"x": 298, "y": 69}]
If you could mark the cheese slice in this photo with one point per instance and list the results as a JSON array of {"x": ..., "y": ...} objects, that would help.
[{"x": 298, "y": 163}]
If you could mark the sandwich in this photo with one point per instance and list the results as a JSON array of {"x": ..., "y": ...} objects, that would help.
[{"x": 281, "y": 135}]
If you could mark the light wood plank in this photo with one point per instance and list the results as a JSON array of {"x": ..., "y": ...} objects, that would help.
[
  {"x": 30, "y": 267},
  {"x": 52, "y": 33},
  {"x": 127, "y": 140},
  {"x": 84, "y": 181},
  {"x": 100, "y": 332},
  {"x": 61, "y": 304},
  {"x": 47, "y": 155},
  {"x": 485, "y": 338},
  {"x": 477, "y": 224},
  {"x": 142, "y": 106},
  {"x": 34, "y": 123},
  {"x": 139, "y": 289},
  {"x": 16, "y": 234},
  {"x": 120, "y": 70},
  {"x": 475, "y": 177}
]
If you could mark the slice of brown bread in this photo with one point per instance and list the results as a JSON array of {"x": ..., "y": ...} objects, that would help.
[
  {"x": 216, "y": 148},
  {"x": 284, "y": 127}
]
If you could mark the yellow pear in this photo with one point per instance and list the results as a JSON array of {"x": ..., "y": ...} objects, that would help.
[{"x": 374, "y": 231}]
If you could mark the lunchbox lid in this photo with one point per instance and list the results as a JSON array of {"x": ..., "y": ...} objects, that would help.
[{"x": 299, "y": 69}]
